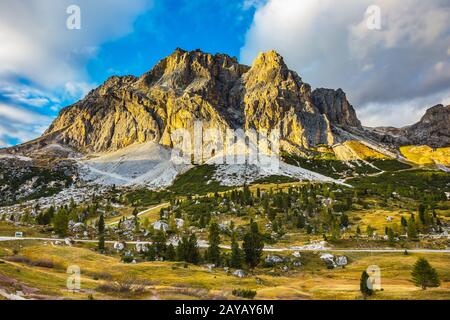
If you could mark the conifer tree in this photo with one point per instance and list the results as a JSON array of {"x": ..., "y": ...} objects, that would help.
[
  {"x": 236, "y": 253},
  {"x": 424, "y": 275},
  {"x": 101, "y": 234},
  {"x": 411, "y": 228},
  {"x": 364, "y": 285},
  {"x": 253, "y": 245},
  {"x": 159, "y": 243},
  {"x": 170, "y": 253},
  {"x": 193, "y": 254},
  {"x": 213, "y": 252},
  {"x": 60, "y": 222}
]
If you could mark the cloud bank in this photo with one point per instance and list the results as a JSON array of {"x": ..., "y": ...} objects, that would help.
[
  {"x": 43, "y": 63},
  {"x": 391, "y": 75}
]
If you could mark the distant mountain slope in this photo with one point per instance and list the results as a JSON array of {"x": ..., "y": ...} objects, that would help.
[{"x": 432, "y": 130}]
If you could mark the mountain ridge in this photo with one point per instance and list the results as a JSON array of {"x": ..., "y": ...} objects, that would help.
[{"x": 188, "y": 86}]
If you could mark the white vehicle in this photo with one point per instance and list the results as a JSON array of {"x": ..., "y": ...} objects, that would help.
[{"x": 19, "y": 234}]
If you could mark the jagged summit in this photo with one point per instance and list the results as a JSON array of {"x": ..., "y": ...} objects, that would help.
[{"x": 190, "y": 85}]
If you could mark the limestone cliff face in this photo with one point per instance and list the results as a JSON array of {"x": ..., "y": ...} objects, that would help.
[
  {"x": 276, "y": 98},
  {"x": 216, "y": 89},
  {"x": 334, "y": 104}
]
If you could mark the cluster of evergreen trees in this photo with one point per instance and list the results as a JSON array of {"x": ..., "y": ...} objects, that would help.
[{"x": 187, "y": 249}]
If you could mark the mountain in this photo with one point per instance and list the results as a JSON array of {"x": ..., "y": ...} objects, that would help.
[
  {"x": 122, "y": 131},
  {"x": 432, "y": 130},
  {"x": 187, "y": 86}
]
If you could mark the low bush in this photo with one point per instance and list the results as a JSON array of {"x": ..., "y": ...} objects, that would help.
[{"x": 244, "y": 293}]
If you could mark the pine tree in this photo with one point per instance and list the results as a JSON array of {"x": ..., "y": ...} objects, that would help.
[
  {"x": 60, "y": 222},
  {"x": 193, "y": 255},
  {"x": 404, "y": 222},
  {"x": 391, "y": 236},
  {"x": 301, "y": 221},
  {"x": 364, "y": 285},
  {"x": 422, "y": 212},
  {"x": 101, "y": 234},
  {"x": 344, "y": 221},
  {"x": 160, "y": 243},
  {"x": 213, "y": 252},
  {"x": 236, "y": 253},
  {"x": 253, "y": 245},
  {"x": 170, "y": 253},
  {"x": 411, "y": 229},
  {"x": 424, "y": 275}
]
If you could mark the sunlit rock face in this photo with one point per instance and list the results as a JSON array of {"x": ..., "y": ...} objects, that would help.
[{"x": 189, "y": 86}]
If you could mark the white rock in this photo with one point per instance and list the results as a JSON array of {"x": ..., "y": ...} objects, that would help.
[
  {"x": 179, "y": 222},
  {"x": 68, "y": 241},
  {"x": 273, "y": 259},
  {"x": 160, "y": 225},
  {"x": 119, "y": 246},
  {"x": 141, "y": 247},
  {"x": 341, "y": 261},
  {"x": 239, "y": 273}
]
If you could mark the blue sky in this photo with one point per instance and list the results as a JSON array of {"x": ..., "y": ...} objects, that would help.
[
  {"x": 391, "y": 75},
  {"x": 213, "y": 26}
]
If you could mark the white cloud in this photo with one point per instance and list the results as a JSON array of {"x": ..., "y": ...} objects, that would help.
[
  {"x": 26, "y": 95},
  {"x": 20, "y": 115},
  {"x": 21, "y": 124},
  {"x": 37, "y": 45},
  {"x": 78, "y": 89},
  {"x": 328, "y": 43}
]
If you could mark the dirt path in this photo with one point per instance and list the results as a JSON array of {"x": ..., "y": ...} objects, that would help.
[{"x": 204, "y": 244}]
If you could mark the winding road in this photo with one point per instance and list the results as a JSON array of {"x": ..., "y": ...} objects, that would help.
[{"x": 204, "y": 244}]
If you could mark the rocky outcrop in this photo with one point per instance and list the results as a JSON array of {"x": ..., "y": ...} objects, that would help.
[
  {"x": 277, "y": 98},
  {"x": 334, "y": 104},
  {"x": 432, "y": 130}
]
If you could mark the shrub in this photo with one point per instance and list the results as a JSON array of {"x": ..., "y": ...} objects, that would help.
[
  {"x": 44, "y": 263},
  {"x": 244, "y": 293},
  {"x": 125, "y": 285}
]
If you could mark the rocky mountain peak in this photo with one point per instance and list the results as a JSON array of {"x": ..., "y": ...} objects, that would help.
[
  {"x": 183, "y": 68},
  {"x": 335, "y": 105},
  {"x": 437, "y": 113},
  {"x": 269, "y": 68},
  {"x": 190, "y": 85},
  {"x": 433, "y": 129}
]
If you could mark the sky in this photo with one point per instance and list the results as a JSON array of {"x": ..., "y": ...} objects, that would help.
[{"x": 392, "y": 57}]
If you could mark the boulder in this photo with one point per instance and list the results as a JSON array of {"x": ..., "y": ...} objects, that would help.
[
  {"x": 328, "y": 258},
  {"x": 273, "y": 259},
  {"x": 341, "y": 261},
  {"x": 239, "y": 273},
  {"x": 160, "y": 225},
  {"x": 179, "y": 222},
  {"x": 141, "y": 247},
  {"x": 119, "y": 246}
]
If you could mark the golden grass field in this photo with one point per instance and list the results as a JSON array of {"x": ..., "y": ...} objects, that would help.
[
  {"x": 424, "y": 155},
  {"x": 171, "y": 280}
]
